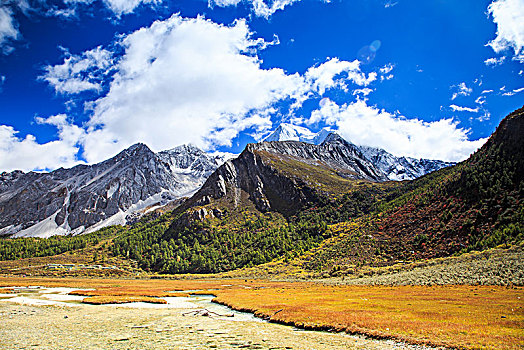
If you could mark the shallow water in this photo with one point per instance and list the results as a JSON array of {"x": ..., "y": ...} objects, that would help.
[
  {"x": 60, "y": 296},
  {"x": 29, "y": 322}
]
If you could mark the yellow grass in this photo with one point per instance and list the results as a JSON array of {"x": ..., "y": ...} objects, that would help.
[
  {"x": 454, "y": 316},
  {"x": 111, "y": 299},
  {"x": 472, "y": 317}
]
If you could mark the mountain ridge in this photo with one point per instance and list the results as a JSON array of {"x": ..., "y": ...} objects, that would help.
[
  {"x": 394, "y": 167},
  {"x": 73, "y": 200},
  {"x": 274, "y": 175}
]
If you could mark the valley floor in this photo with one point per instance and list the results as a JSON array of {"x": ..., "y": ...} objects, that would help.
[
  {"x": 452, "y": 316},
  {"x": 97, "y": 327}
]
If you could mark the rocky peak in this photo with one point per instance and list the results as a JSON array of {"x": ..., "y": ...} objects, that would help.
[
  {"x": 138, "y": 149},
  {"x": 393, "y": 167},
  {"x": 274, "y": 175},
  {"x": 73, "y": 200}
]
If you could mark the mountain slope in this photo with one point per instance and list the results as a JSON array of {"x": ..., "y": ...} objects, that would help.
[
  {"x": 110, "y": 192},
  {"x": 285, "y": 176},
  {"x": 251, "y": 209},
  {"x": 476, "y": 204},
  {"x": 395, "y": 168},
  {"x": 272, "y": 202}
]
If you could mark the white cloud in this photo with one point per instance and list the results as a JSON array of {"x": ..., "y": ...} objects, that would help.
[
  {"x": 509, "y": 16},
  {"x": 513, "y": 92},
  {"x": 461, "y": 90},
  {"x": 179, "y": 81},
  {"x": 385, "y": 72},
  {"x": 322, "y": 77},
  {"x": 8, "y": 29},
  {"x": 480, "y": 100},
  {"x": 261, "y": 8},
  {"x": 495, "y": 61},
  {"x": 122, "y": 7},
  {"x": 363, "y": 92},
  {"x": 485, "y": 116},
  {"x": 27, "y": 154},
  {"x": 368, "y": 125},
  {"x": 80, "y": 73},
  {"x": 456, "y": 108},
  {"x": 387, "y": 68},
  {"x": 187, "y": 80},
  {"x": 390, "y": 3}
]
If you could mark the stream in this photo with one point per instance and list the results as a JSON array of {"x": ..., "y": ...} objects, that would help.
[{"x": 50, "y": 318}]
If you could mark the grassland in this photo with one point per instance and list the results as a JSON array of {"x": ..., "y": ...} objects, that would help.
[
  {"x": 99, "y": 300},
  {"x": 87, "y": 256},
  {"x": 470, "y": 317},
  {"x": 452, "y": 316}
]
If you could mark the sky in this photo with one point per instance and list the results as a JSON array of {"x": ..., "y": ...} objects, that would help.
[{"x": 81, "y": 80}]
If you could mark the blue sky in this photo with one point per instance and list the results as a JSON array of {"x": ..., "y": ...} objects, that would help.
[{"x": 81, "y": 80}]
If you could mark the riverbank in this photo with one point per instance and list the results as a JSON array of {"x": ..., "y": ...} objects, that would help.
[
  {"x": 26, "y": 325},
  {"x": 452, "y": 316}
]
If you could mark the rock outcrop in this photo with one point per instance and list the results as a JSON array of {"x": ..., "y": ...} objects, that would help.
[
  {"x": 255, "y": 175},
  {"x": 73, "y": 200}
]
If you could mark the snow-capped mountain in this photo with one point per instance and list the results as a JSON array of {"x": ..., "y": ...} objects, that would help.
[
  {"x": 277, "y": 176},
  {"x": 394, "y": 168},
  {"x": 290, "y": 132},
  {"x": 401, "y": 168},
  {"x": 88, "y": 197}
]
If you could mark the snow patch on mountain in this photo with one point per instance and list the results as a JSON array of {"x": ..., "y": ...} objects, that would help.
[
  {"x": 393, "y": 167},
  {"x": 88, "y": 197},
  {"x": 290, "y": 132},
  {"x": 401, "y": 168},
  {"x": 43, "y": 229}
]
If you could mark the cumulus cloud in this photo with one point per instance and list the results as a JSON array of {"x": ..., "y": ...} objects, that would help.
[
  {"x": 367, "y": 125},
  {"x": 79, "y": 73},
  {"x": 324, "y": 76},
  {"x": 187, "y": 80},
  {"x": 17, "y": 153},
  {"x": 508, "y": 15},
  {"x": 183, "y": 81},
  {"x": 261, "y": 8}
]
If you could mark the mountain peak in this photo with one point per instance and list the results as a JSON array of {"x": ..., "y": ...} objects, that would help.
[
  {"x": 290, "y": 132},
  {"x": 186, "y": 148},
  {"x": 333, "y": 137},
  {"x": 138, "y": 146},
  {"x": 136, "y": 150},
  {"x": 395, "y": 168},
  {"x": 112, "y": 192}
]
